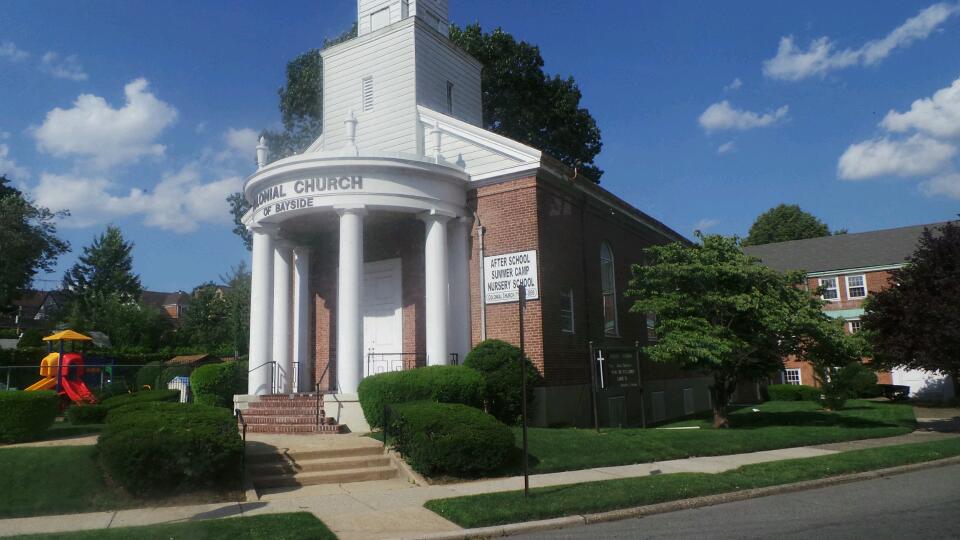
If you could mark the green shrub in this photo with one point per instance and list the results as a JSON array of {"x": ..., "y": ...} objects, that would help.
[
  {"x": 793, "y": 392},
  {"x": 115, "y": 388},
  {"x": 148, "y": 375},
  {"x": 86, "y": 414},
  {"x": 444, "y": 384},
  {"x": 499, "y": 362},
  {"x": 31, "y": 338},
  {"x": 142, "y": 397},
  {"x": 216, "y": 384},
  {"x": 25, "y": 415},
  {"x": 450, "y": 439},
  {"x": 848, "y": 382},
  {"x": 164, "y": 447},
  {"x": 119, "y": 414}
]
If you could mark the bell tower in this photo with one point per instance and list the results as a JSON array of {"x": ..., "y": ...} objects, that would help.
[{"x": 375, "y": 14}]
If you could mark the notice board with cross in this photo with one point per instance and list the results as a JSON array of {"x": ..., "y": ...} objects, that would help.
[{"x": 616, "y": 376}]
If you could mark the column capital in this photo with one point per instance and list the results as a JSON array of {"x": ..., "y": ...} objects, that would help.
[
  {"x": 436, "y": 215},
  {"x": 352, "y": 209},
  {"x": 264, "y": 228}
]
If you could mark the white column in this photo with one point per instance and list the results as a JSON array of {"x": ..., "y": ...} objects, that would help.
[
  {"x": 301, "y": 319},
  {"x": 349, "y": 314},
  {"x": 282, "y": 259},
  {"x": 261, "y": 310},
  {"x": 435, "y": 263},
  {"x": 459, "y": 245}
]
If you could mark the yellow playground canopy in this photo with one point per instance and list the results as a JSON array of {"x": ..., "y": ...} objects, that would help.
[{"x": 68, "y": 335}]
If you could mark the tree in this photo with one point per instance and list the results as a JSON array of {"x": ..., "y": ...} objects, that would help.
[
  {"x": 785, "y": 222},
  {"x": 915, "y": 323},
  {"x": 523, "y": 103},
  {"x": 237, "y": 297},
  {"x": 205, "y": 319},
  {"x": 723, "y": 312},
  {"x": 104, "y": 272},
  {"x": 130, "y": 324},
  {"x": 519, "y": 100},
  {"x": 28, "y": 242},
  {"x": 238, "y": 207}
]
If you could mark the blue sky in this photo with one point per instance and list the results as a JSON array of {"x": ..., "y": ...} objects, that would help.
[{"x": 710, "y": 112}]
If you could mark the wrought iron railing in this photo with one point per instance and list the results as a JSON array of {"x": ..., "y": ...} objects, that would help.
[
  {"x": 418, "y": 360},
  {"x": 243, "y": 457}
]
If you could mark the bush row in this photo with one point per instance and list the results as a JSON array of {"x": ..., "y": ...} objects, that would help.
[
  {"x": 152, "y": 448},
  {"x": 793, "y": 392},
  {"x": 216, "y": 384},
  {"x": 450, "y": 439},
  {"x": 445, "y": 384},
  {"x": 499, "y": 363},
  {"x": 25, "y": 415}
]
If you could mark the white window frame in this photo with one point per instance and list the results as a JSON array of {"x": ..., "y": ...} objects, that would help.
[
  {"x": 836, "y": 287},
  {"x": 567, "y": 308},
  {"x": 786, "y": 376},
  {"x": 606, "y": 257},
  {"x": 846, "y": 281},
  {"x": 850, "y": 325}
]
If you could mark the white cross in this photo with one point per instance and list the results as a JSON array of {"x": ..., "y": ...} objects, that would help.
[{"x": 600, "y": 360}]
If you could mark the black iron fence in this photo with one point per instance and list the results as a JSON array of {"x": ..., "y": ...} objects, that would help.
[{"x": 382, "y": 362}]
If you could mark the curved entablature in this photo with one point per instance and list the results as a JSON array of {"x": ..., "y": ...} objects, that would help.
[{"x": 310, "y": 183}]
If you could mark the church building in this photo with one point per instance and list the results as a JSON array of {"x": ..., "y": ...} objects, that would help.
[{"x": 398, "y": 239}]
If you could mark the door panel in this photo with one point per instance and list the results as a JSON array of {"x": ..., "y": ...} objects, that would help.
[{"x": 382, "y": 316}]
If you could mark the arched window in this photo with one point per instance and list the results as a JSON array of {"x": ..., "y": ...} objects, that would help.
[{"x": 608, "y": 288}]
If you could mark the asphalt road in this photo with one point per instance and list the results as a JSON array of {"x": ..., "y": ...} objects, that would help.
[{"x": 921, "y": 504}]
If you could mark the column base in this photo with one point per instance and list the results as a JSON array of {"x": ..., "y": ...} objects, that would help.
[{"x": 345, "y": 408}]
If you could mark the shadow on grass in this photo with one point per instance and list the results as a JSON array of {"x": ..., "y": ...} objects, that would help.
[{"x": 805, "y": 419}]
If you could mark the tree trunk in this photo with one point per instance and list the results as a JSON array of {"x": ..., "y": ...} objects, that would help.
[
  {"x": 955, "y": 376},
  {"x": 719, "y": 396}
]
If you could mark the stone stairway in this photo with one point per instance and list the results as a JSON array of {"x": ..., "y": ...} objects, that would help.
[
  {"x": 291, "y": 468},
  {"x": 288, "y": 413}
]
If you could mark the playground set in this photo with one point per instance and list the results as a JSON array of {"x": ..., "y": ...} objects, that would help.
[{"x": 64, "y": 371}]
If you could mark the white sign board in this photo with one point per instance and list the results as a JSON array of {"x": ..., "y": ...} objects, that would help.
[{"x": 504, "y": 273}]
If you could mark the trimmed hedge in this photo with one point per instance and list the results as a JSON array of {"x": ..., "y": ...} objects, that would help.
[
  {"x": 216, "y": 384},
  {"x": 25, "y": 415},
  {"x": 793, "y": 392},
  {"x": 160, "y": 448},
  {"x": 119, "y": 414},
  {"x": 148, "y": 375},
  {"x": 87, "y": 414},
  {"x": 450, "y": 439},
  {"x": 499, "y": 362},
  {"x": 141, "y": 397},
  {"x": 444, "y": 384}
]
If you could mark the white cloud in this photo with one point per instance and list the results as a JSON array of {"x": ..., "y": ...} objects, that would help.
[
  {"x": 947, "y": 185},
  {"x": 723, "y": 116},
  {"x": 734, "y": 85},
  {"x": 8, "y": 166},
  {"x": 792, "y": 63},
  {"x": 938, "y": 115},
  {"x": 180, "y": 201},
  {"x": 106, "y": 136},
  {"x": 242, "y": 142},
  {"x": 726, "y": 147},
  {"x": 916, "y": 156},
  {"x": 705, "y": 224},
  {"x": 63, "y": 68},
  {"x": 10, "y": 51}
]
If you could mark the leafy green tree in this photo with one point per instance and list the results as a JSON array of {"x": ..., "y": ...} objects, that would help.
[
  {"x": 237, "y": 297},
  {"x": 785, "y": 222},
  {"x": 915, "y": 323},
  {"x": 523, "y": 103},
  {"x": 28, "y": 242},
  {"x": 205, "y": 319},
  {"x": 130, "y": 324},
  {"x": 104, "y": 269},
  {"x": 722, "y": 312},
  {"x": 238, "y": 207}
]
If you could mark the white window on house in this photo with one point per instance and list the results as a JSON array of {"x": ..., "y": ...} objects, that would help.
[
  {"x": 854, "y": 326},
  {"x": 608, "y": 288},
  {"x": 651, "y": 326},
  {"x": 367, "y": 93},
  {"x": 566, "y": 311},
  {"x": 829, "y": 289},
  {"x": 856, "y": 286},
  {"x": 791, "y": 376},
  {"x": 379, "y": 19},
  {"x": 449, "y": 98}
]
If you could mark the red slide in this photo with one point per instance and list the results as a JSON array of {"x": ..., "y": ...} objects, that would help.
[{"x": 77, "y": 391}]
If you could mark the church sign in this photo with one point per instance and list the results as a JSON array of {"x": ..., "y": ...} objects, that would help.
[
  {"x": 503, "y": 274},
  {"x": 297, "y": 194}
]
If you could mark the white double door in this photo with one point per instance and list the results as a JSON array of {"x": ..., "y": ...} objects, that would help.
[{"x": 382, "y": 317}]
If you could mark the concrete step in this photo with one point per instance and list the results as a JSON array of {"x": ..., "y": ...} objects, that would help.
[
  {"x": 285, "y": 467},
  {"x": 325, "y": 477},
  {"x": 308, "y": 455},
  {"x": 293, "y": 428}
]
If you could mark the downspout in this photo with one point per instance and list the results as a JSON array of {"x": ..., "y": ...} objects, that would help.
[{"x": 483, "y": 302}]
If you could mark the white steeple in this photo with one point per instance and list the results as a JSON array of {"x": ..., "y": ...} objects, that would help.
[{"x": 373, "y": 15}]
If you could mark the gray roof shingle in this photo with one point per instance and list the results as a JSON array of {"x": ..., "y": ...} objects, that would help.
[{"x": 843, "y": 251}]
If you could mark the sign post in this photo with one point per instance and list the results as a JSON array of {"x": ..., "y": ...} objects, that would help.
[
  {"x": 593, "y": 389},
  {"x": 522, "y": 295}
]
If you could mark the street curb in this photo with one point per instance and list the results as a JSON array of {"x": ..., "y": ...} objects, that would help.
[{"x": 683, "y": 504}]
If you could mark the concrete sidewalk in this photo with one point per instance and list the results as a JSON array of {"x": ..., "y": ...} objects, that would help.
[{"x": 394, "y": 508}]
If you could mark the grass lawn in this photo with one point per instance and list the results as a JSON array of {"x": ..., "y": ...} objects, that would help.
[
  {"x": 296, "y": 526},
  {"x": 779, "y": 424},
  {"x": 38, "y": 481},
  {"x": 591, "y": 497}
]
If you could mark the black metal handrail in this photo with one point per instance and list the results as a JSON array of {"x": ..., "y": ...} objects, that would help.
[
  {"x": 419, "y": 359},
  {"x": 243, "y": 457},
  {"x": 273, "y": 374}
]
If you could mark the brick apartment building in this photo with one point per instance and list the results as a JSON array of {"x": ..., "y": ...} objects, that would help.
[
  {"x": 399, "y": 239},
  {"x": 844, "y": 270}
]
